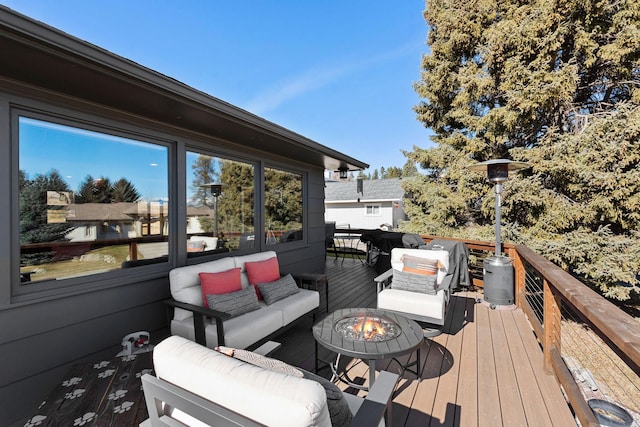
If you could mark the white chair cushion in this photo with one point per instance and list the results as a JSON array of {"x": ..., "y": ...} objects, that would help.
[
  {"x": 268, "y": 397},
  {"x": 442, "y": 256},
  {"x": 429, "y": 308}
]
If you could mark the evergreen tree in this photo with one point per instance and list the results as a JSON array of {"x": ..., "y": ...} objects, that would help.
[
  {"x": 556, "y": 84},
  {"x": 394, "y": 172},
  {"x": 32, "y": 210},
  {"x": 124, "y": 191},
  {"x": 235, "y": 205},
  {"x": 282, "y": 198},
  {"x": 409, "y": 169},
  {"x": 101, "y": 190},
  {"x": 94, "y": 190},
  {"x": 204, "y": 173}
]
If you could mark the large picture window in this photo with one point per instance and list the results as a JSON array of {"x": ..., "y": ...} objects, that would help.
[
  {"x": 283, "y": 206},
  {"x": 220, "y": 204},
  {"x": 89, "y": 201}
]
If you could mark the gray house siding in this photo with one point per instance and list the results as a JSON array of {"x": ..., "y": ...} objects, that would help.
[{"x": 41, "y": 336}]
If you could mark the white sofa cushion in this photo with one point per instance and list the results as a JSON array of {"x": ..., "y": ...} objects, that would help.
[
  {"x": 294, "y": 306},
  {"x": 239, "y": 332},
  {"x": 185, "y": 282},
  {"x": 271, "y": 398}
]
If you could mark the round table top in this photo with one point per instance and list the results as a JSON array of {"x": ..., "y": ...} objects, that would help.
[{"x": 409, "y": 339}]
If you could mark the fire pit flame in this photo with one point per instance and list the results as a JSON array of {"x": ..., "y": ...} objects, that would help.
[
  {"x": 368, "y": 328},
  {"x": 364, "y": 326}
]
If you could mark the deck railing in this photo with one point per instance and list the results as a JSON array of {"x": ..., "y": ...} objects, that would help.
[{"x": 589, "y": 344}]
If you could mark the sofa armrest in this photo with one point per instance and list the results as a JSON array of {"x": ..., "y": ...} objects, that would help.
[
  {"x": 378, "y": 403},
  {"x": 199, "y": 316},
  {"x": 383, "y": 280}
]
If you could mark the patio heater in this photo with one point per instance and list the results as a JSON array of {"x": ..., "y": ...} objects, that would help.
[
  {"x": 216, "y": 191},
  {"x": 498, "y": 269}
]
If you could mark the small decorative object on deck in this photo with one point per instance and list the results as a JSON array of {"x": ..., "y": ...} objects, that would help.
[
  {"x": 498, "y": 270},
  {"x": 135, "y": 343}
]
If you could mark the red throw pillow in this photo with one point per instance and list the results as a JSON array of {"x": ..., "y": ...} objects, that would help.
[
  {"x": 222, "y": 282},
  {"x": 262, "y": 272}
]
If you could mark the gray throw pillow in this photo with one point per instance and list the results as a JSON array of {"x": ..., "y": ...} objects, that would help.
[
  {"x": 235, "y": 303},
  {"x": 338, "y": 407},
  {"x": 278, "y": 289},
  {"x": 412, "y": 282}
]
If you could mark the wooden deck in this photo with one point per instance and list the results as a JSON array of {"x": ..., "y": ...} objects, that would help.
[{"x": 484, "y": 370}]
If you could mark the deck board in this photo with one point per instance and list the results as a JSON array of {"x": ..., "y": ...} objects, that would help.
[
  {"x": 468, "y": 377},
  {"x": 484, "y": 370},
  {"x": 510, "y": 405},
  {"x": 548, "y": 386}
]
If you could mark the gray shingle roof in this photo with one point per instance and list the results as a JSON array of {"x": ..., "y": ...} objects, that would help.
[{"x": 372, "y": 189}]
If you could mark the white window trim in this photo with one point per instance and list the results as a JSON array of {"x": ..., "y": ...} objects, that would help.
[{"x": 376, "y": 208}]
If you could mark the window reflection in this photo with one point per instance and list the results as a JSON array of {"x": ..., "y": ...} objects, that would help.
[
  {"x": 220, "y": 204},
  {"x": 283, "y": 206},
  {"x": 89, "y": 202}
]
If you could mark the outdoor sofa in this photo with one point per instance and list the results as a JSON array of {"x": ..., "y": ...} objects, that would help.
[{"x": 217, "y": 325}]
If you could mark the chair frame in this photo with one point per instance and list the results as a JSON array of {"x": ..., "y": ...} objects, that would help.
[{"x": 348, "y": 249}]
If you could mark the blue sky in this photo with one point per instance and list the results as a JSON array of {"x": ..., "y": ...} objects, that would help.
[{"x": 338, "y": 72}]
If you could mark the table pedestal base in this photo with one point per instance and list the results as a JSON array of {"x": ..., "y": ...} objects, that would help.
[{"x": 344, "y": 376}]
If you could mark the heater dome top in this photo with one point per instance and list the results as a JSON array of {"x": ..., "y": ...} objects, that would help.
[{"x": 498, "y": 169}]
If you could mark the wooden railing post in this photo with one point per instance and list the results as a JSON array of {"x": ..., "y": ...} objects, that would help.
[
  {"x": 520, "y": 276},
  {"x": 551, "y": 324},
  {"x": 133, "y": 250}
]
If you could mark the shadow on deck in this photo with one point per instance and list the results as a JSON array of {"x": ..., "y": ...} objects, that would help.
[{"x": 485, "y": 369}]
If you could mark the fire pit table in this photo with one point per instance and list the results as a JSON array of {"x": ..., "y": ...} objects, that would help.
[{"x": 368, "y": 334}]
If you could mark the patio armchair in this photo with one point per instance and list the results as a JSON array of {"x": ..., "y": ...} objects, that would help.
[
  {"x": 417, "y": 285},
  {"x": 198, "y": 386}
]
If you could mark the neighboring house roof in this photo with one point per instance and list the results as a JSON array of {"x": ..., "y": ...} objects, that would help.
[
  {"x": 85, "y": 212},
  {"x": 372, "y": 190},
  {"x": 101, "y": 212},
  {"x": 199, "y": 211}
]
